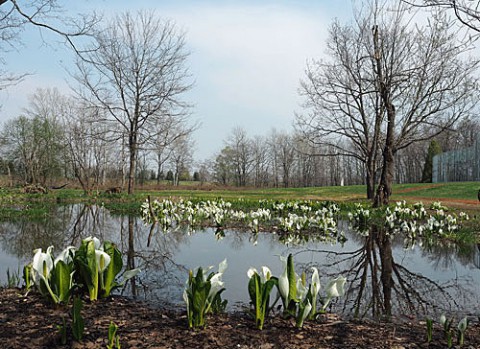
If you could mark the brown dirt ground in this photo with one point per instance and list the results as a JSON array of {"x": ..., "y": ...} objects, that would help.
[{"x": 31, "y": 322}]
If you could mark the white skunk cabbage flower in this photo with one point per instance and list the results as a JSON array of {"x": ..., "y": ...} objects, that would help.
[
  {"x": 283, "y": 284},
  {"x": 66, "y": 255},
  {"x": 315, "y": 282},
  {"x": 42, "y": 264},
  {"x": 103, "y": 260}
]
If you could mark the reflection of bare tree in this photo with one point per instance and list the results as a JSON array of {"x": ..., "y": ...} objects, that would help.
[
  {"x": 392, "y": 286},
  {"x": 379, "y": 286},
  {"x": 20, "y": 237},
  {"x": 445, "y": 255},
  {"x": 476, "y": 254},
  {"x": 152, "y": 253},
  {"x": 59, "y": 226}
]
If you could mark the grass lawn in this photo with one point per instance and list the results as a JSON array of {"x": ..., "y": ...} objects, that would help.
[
  {"x": 431, "y": 191},
  {"x": 462, "y": 194}
]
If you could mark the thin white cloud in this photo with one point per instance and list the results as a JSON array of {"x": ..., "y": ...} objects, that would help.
[{"x": 247, "y": 61}]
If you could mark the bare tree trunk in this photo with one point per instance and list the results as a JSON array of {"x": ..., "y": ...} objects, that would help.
[
  {"x": 370, "y": 179},
  {"x": 384, "y": 190},
  {"x": 132, "y": 147}
]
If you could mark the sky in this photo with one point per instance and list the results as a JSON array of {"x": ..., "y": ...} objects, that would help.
[{"x": 246, "y": 59}]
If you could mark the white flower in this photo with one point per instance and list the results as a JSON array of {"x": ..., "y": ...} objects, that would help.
[
  {"x": 283, "y": 284},
  {"x": 462, "y": 325},
  {"x": 216, "y": 285},
  {"x": 66, "y": 255},
  {"x": 42, "y": 265},
  {"x": 265, "y": 276},
  {"x": 335, "y": 287},
  {"x": 315, "y": 282},
  {"x": 102, "y": 259}
]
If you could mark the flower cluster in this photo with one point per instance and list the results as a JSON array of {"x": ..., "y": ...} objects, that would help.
[
  {"x": 299, "y": 298},
  {"x": 413, "y": 221},
  {"x": 290, "y": 216},
  {"x": 360, "y": 219},
  {"x": 417, "y": 221},
  {"x": 92, "y": 267},
  {"x": 202, "y": 292}
]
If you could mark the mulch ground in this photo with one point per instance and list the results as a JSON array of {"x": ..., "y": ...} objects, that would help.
[{"x": 31, "y": 322}]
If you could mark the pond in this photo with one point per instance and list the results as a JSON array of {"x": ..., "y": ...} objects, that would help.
[{"x": 384, "y": 275}]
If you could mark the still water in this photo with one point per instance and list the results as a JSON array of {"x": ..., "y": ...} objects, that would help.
[{"x": 385, "y": 276}]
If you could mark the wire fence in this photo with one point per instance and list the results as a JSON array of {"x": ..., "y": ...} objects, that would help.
[{"x": 459, "y": 165}]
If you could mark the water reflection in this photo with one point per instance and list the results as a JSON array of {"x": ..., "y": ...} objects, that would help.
[{"x": 385, "y": 276}]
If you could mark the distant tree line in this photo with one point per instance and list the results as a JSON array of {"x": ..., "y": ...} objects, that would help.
[
  {"x": 287, "y": 159},
  {"x": 60, "y": 138}
]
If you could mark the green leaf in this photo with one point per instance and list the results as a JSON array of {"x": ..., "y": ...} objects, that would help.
[
  {"x": 113, "y": 269},
  {"x": 252, "y": 289},
  {"x": 27, "y": 276},
  {"x": 78, "y": 324},
  {"x": 62, "y": 276},
  {"x": 113, "y": 339},
  {"x": 46, "y": 289},
  {"x": 93, "y": 270},
  {"x": 292, "y": 279}
]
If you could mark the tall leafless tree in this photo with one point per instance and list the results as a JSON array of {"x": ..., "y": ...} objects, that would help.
[
  {"x": 387, "y": 79},
  {"x": 137, "y": 75}
]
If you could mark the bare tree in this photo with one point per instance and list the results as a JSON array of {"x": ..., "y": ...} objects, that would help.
[
  {"x": 223, "y": 166},
  {"x": 34, "y": 141},
  {"x": 284, "y": 149},
  {"x": 241, "y": 152},
  {"x": 168, "y": 132},
  {"x": 261, "y": 162},
  {"x": 46, "y": 15},
  {"x": 466, "y": 11},
  {"x": 88, "y": 154},
  {"x": 181, "y": 157},
  {"x": 388, "y": 80},
  {"x": 138, "y": 76}
]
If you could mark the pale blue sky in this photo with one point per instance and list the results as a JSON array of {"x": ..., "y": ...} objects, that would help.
[{"x": 247, "y": 58}]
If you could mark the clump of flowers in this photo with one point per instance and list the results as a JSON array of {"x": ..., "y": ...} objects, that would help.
[
  {"x": 292, "y": 217},
  {"x": 299, "y": 300},
  {"x": 416, "y": 221},
  {"x": 92, "y": 267},
  {"x": 260, "y": 285},
  {"x": 360, "y": 219},
  {"x": 202, "y": 293}
]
